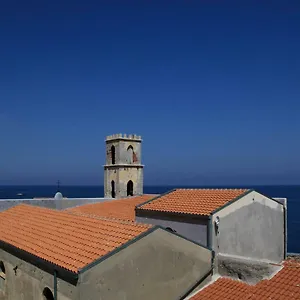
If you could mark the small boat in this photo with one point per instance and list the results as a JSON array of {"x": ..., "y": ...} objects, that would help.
[{"x": 19, "y": 194}]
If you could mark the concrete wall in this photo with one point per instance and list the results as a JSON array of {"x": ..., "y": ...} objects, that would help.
[
  {"x": 251, "y": 227},
  {"x": 196, "y": 230},
  {"x": 246, "y": 270},
  {"x": 29, "y": 282},
  {"x": 50, "y": 203},
  {"x": 159, "y": 266}
]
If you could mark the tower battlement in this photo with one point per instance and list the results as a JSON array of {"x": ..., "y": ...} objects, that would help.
[{"x": 121, "y": 136}]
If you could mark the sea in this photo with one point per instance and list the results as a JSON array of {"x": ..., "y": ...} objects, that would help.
[{"x": 292, "y": 193}]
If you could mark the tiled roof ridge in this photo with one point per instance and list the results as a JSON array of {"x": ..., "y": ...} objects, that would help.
[
  {"x": 113, "y": 200},
  {"x": 212, "y": 189},
  {"x": 91, "y": 217},
  {"x": 118, "y": 220}
]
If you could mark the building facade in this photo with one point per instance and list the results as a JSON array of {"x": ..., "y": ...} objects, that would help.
[
  {"x": 123, "y": 171},
  {"x": 240, "y": 223}
]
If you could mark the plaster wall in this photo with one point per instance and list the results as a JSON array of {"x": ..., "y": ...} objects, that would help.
[
  {"x": 160, "y": 265},
  {"x": 28, "y": 282},
  {"x": 195, "y": 231},
  {"x": 252, "y": 227},
  {"x": 50, "y": 203}
]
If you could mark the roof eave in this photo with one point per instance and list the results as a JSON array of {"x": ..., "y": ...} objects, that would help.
[
  {"x": 45, "y": 265},
  {"x": 161, "y": 213}
]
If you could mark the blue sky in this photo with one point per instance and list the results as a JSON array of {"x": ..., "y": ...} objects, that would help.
[{"x": 212, "y": 86}]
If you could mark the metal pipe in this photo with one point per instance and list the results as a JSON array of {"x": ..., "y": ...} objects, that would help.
[
  {"x": 55, "y": 285},
  {"x": 209, "y": 233},
  {"x": 191, "y": 289}
]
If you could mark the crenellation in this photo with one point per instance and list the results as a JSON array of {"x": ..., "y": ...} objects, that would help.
[{"x": 134, "y": 137}]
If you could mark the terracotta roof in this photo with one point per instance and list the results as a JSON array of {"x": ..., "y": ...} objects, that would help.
[
  {"x": 284, "y": 285},
  {"x": 123, "y": 209},
  {"x": 193, "y": 201},
  {"x": 67, "y": 240}
]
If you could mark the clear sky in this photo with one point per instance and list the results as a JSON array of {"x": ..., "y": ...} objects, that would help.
[{"x": 213, "y": 87}]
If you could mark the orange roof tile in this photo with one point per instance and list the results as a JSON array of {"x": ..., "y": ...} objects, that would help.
[
  {"x": 285, "y": 285},
  {"x": 123, "y": 209},
  {"x": 67, "y": 240},
  {"x": 193, "y": 201}
]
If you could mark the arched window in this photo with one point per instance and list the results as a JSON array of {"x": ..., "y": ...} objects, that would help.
[
  {"x": 130, "y": 188},
  {"x": 113, "y": 155},
  {"x": 47, "y": 294},
  {"x": 130, "y": 154},
  {"x": 113, "y": 189},
  {"x": 2, "y": 271},
  {"x": 170, "y": 229}
]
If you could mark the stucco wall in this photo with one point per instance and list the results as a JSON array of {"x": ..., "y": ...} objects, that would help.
[
  {"x": 49, "y": 203},
  {"x": 196, "y": 231},
  {"x": 29, "y": 282},
  {"x": 159, "y": 266},
  {"x": 251, "y": 227}
]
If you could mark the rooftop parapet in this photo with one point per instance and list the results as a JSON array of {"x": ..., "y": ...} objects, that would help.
[{"x": 124, "y": 136}]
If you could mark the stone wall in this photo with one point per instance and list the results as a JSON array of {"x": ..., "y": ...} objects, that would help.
[{"x": 128, "y": 157}]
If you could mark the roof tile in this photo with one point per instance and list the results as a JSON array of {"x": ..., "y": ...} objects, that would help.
[
  {"x": 193, "y": 201},
  {"x": 123, "y": 209},
  {"x": 67, "y": 240},
  {"x": 285, "y": 285}
]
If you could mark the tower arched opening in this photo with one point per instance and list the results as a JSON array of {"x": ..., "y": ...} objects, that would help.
[
  {"x": 130, "y": 188},
  {"x": 113, "y": 189}
]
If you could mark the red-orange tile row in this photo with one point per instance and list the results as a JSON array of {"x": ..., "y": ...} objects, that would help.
[
  {"x": 68, "y": 240},
  {"x": 193, "y": 201},
  {"x": 285, "y": 285},
  {"x": 123, "y": 209}
]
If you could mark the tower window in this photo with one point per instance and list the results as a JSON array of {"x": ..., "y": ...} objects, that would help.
[
  {"x": 130, "y": 188},
  {"x": 130, "y": 154},
  {"x": 113, "y": 154},
  {"x": 113, "y": 189},
  {"x": 47, "y": 294}
]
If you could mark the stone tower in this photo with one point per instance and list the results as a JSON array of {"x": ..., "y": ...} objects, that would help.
[{"x": 123, "y": 171}]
